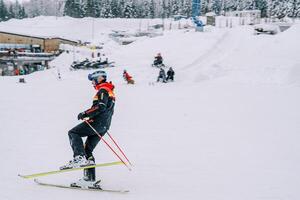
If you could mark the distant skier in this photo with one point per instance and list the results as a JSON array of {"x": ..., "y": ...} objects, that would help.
[
  {"x": 127, "y": 77},
  {"x": 99, "y": 116},
  {"x": 158, "y": 60},
  {"x": 170, "y": 74},
  {"x": 161, "y": 75}
]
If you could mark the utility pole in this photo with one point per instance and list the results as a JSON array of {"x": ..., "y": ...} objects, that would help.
[{"x": 196, "y": 8}]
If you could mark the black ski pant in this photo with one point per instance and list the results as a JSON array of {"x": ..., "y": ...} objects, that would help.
[{"x": 84, "y": 130}]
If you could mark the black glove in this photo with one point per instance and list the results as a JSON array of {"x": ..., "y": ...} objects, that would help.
[{"x": 81, "y": 115}]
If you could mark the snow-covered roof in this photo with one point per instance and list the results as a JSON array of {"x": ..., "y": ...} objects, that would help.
[
  {"x": 38, "y": 37},
  {"x": 211, "y": 14}
]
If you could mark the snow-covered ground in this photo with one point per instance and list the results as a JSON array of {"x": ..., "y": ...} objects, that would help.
[{"x": 226, "y": 129}]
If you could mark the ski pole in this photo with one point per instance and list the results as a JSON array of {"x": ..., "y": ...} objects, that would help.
[
  {"x": 101, "y": 138},
  {"x": 119, "y": 148}
]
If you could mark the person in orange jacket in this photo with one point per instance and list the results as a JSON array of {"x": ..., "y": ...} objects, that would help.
[{"x": 99, "y": 116}]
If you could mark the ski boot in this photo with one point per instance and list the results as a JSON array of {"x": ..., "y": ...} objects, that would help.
[
  {"x": 78, "y": 161},
  {"x": 90, "y": 174},
  {"x": 81, "y": 183},
  {"x": 89, "y": 178}
]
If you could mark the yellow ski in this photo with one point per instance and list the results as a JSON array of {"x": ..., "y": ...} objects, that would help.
[{"x": 69, "y": 170}]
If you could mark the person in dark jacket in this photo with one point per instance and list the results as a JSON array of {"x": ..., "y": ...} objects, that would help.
[
  {"x": 99, "y": 116},
  {"x": 158, "y": 60},
  {"x": 170, "y": 74},
  {"x": 161, "y": 75}
]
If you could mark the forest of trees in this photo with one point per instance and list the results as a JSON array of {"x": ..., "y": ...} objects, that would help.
[
  {"x": 142, "y": 8},
  {"x": 13, "y": 10}
]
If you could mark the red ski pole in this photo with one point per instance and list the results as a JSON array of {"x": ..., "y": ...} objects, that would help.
[
  {"x": 101, "y": 138},
  {"x": 119, "y": 148}
]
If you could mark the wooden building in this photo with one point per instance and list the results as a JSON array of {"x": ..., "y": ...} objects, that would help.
[{"x": 46, "y": 44}]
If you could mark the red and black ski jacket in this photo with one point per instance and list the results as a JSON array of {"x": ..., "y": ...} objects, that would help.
[{"x": 103, "y": 104}]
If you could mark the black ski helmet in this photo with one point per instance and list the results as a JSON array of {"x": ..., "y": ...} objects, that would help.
[{"x": 95, "y": 75}]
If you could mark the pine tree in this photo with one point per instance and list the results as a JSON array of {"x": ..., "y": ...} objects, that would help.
[
  {"x": 203, "y": 7},
  {"x": 228, "y": 5},
  {"x": 262, "y": 5},
  {"x": 22, "y": 13},
  {"x": 115, "y": 8},
  {"x": 11, "y": 13},
  {"x": 164, "y": 10},
  {"x": 278, "y": 8},
  {"x": 175, "y": 7},
  {"x": 297, "y": 8},
  {"x": 130, "y": 9},
  {"x": 122, "y": 5},
  {"x": 3, "y": 11},
  {"x": 217, "y": 6},
  {"x": 69, "y": 7},
  {"x": 74, "y": 8},
  {"x": 294, "y": 8},
  {"x": 152, "y": 9},
  {"x": 145, "y": 13},
  {"x": 90, "y": 9},
  {"x": 170, "y": 10},
  {"x": 97, "y": 7},
  {"x": 187, "y": 8},
  {"x": 17, "y": 8},
  {"x": 106, "y": 11}
]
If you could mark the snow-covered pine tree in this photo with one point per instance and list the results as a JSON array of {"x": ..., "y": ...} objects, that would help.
[
  {"x": 69, "y": 8},
  {"x": 16, "y": 9},
  {"x": 169, "y": 8},
  {"x": 122, "y": 5},
  {"x": 228, "y": 5},
  {"x": 203, "y": 7},
  {"x": 145, "y": 9},
  {"x": 217, "y": 6},
  {"x": 32, "y": 8},
  {"x": 22, "y": 13},
  {"x": 3, "y": 11},
  {"x": 89, "y": 8},
  {"x": 297, "y": 8},
  {"x": 152, "y": 9},
  {"x": 278, "y": 8},
  {"x": 175, "y": 7},
  {"x": 249, "y": 5},
  {"x": 115, "y": 8},
  {"x": 97, "y": 7},
  {"x": 164, "y": 9},
  {"x": 187, "y": 8},
  {"x": 130, "y": 9},
  {"x": 239, "y": 5},
  {"x": 294, "y": 8},
  {"x": 262, "y": 5},
  {"x": 74, "y": 8},
  {"x": 11, "y": 13},
  {"x": 106, "y": 11}
]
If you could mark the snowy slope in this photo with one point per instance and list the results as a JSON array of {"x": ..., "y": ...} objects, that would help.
[{"x": 227, "y": 129}]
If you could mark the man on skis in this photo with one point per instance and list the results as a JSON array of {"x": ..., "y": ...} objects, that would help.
[{"x": 99, "y": 117}]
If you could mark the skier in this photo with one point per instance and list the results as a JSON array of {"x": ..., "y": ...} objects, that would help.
[
  {"x": 127, "y": 77},
  {"x": 170, "y": 74},
  {"x": 158, "y": 60},
  {"x": 162, "y": 75},
  {"x": 99, "y": 116}
]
